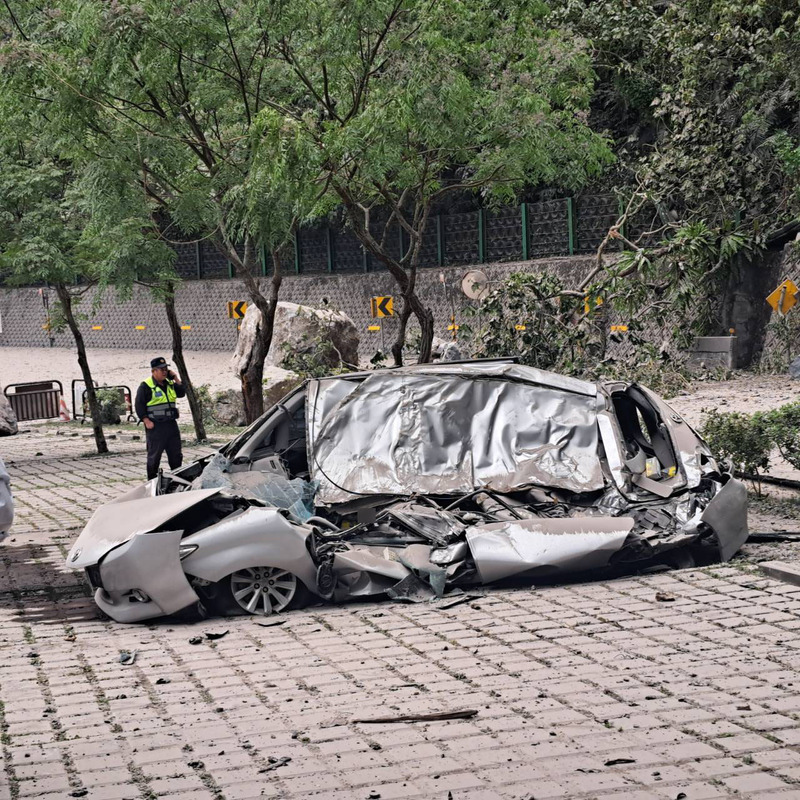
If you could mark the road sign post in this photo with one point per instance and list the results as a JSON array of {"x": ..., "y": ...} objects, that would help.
[
  {"x": 237, "y": 309},
  {"x": 382, "y": 307},
  {"x": 784, "y": 298}
]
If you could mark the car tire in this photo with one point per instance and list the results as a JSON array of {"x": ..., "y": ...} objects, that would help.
[
  {"x": 196, "y": 612},
  {"x": 262, "y": 591}
]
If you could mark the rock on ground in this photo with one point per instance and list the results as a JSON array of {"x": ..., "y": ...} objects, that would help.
[
  {"x": 8, "y": 419},
  {"x": 227, "y": 408},
  {"x": 279, "y": 385}
]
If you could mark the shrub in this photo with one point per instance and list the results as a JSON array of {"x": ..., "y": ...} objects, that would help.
[
  {"x": 782, "y": 425},
  {"x": 203, "y": 394},
  {"x": 742, "y": 439},
  {"x": 112, "y": 406},
  {"x": 313, "y": 357}
]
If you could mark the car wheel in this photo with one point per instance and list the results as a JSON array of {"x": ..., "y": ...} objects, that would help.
[{"x": 266, "y": 590}]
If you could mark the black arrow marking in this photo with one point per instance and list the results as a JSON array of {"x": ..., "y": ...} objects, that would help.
[{"x": 383, "y": 306}]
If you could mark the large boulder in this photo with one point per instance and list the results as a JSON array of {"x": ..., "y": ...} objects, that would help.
[
  {"x": 299, "y": 329},
  {"x": 8, "y": 419}
]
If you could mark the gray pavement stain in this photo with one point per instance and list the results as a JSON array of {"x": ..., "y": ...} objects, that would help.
[{"x": 582, "y": 690}]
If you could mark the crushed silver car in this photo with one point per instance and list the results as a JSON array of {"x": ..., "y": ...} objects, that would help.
[{"x": 414, "y": 483}]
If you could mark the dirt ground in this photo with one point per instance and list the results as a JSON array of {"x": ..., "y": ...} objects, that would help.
[
  {"x": 114, "y": 367},
  {"x": 744, "y": 392}
]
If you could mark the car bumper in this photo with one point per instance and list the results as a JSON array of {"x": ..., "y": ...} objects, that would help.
[
  {"x": 120, "y": 608},
  {"x": 144, "y": 578}
]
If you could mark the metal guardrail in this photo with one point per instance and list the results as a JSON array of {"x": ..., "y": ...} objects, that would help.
[{"x": 37, "y": 400}]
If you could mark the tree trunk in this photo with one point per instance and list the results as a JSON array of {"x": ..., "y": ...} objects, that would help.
[
  {"x": 65, "y": 298},
  {"x": 406, "y": 280},
  {"x": 252, "y": 377},
  {"x": 425, "y": 317},
  {"x": 400, "y": 340},
  {"x": 177, "y": 356}
]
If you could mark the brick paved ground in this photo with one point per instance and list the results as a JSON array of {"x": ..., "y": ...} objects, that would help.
[{"x": 585, "y": 690}]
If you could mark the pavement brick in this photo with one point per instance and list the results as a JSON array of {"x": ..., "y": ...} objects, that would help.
[{"x": 582, "y": 690}]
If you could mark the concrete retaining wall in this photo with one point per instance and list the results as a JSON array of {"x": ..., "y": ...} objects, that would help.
[
  {"x": 202, "y": 305},
  {"x": 111, "y": 323}
]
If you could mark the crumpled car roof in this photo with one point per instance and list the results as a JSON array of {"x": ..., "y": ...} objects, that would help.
[{"x": 448, "y": 429}]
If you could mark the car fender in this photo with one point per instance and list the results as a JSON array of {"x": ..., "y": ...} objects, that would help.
[
  {"x": 258, "y": 537},
  {"x": 150, "y": 563},
  {"x": 727, "y": 516}
]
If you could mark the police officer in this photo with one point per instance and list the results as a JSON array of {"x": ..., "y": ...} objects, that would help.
[{"x": 156, "y": 406}]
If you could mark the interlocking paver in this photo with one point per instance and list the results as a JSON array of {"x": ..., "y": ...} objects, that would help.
[{"x": 582, "y": 690}]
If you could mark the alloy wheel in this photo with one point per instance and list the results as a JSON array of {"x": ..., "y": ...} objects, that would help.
[{"x": 263, "y": 590}]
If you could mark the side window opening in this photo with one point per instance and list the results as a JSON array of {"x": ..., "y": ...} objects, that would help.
[
  {"x": 287, "y": 440},
  {"x": 648, "y": 446}
]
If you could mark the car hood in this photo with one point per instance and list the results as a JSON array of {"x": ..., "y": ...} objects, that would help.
[{"x": 116, "y": 522}]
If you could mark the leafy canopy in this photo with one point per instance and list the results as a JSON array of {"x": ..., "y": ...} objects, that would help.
[{"x": 395, "y": 102}]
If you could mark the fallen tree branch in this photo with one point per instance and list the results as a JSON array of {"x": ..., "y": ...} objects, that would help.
[{"x": 435, "y": 716}]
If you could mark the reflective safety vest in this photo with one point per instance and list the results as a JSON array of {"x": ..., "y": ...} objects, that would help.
[{"x": 162, "y": 403}]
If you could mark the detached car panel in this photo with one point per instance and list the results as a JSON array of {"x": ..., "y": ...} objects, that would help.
[{"x": 411, "y": 482}]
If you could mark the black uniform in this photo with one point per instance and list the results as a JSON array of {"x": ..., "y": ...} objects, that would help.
[{"x": 165, "y": 434}]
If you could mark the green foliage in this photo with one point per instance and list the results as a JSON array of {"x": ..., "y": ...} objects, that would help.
[
  {"x": 743, "y": 439},
  {"x": 528, "y": 317},
  {"x": 782, "y": 426},
  {"x": 112, "y": 406},
  {"x": 494, "y": 90},
  {"x": 536, "y": 318},
  {"x": 701, "y": 96},
  {"x": 747, "y": 440},
  {"x": 392, "y": 105},
  {"x": 314, "y": 357},
  {"x": 156, "y": 102}
]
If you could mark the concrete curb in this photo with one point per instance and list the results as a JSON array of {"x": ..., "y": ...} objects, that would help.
[{"x": 782, "y": 571}]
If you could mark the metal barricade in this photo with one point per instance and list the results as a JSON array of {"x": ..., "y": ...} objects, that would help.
[
  {"x": 125, "y": 396},
  {"x": 38, "y": 400},
  {"x": 79, "y": 407}
]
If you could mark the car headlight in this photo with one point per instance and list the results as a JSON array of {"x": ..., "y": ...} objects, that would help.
[{"x": 186, "y": 550}]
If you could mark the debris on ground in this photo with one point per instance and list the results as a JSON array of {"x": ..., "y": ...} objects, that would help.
[
  {"x": 432, "y": 717},
  {"x": 127, "y": 658},
  {"x": 275, "y": 763},
  {"x": 464, "y": 598}
]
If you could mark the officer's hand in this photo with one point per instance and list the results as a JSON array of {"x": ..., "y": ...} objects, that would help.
[{"x": 149, "y": 424}]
